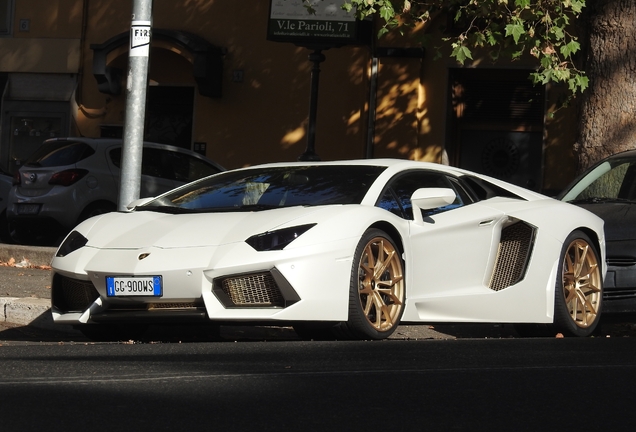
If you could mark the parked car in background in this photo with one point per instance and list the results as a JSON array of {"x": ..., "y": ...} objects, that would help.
[
  {"x": 608, "y": 189},
  {"x": 68, "y": 180},
  {"x": 5, "y": 188}
]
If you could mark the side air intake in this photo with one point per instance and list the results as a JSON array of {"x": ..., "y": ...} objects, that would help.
[{"x": 515, "y": 248}]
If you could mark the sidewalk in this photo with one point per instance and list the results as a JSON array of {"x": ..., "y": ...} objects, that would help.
[{"x": 25, "y": 285}]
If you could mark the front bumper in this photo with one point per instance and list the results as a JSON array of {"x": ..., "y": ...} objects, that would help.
[{"x": 226, "y": 283}]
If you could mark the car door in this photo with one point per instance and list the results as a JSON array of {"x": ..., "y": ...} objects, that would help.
[{"x": 452, "y": 250}]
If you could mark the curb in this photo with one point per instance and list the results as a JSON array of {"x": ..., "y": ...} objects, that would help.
[
  {"x": 31, "y": 312},
  {"x": 34, "y": 312},
  {"x": 35, "y": 255}
]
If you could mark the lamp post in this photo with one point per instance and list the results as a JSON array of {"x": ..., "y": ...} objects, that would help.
[{"x": 316, "y": 57}]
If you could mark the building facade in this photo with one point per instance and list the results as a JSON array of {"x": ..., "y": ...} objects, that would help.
[{"x": 218, "y": 86}]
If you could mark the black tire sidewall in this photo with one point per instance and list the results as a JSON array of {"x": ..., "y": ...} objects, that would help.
[
  {"x": 562, "y": 320},
  {"x": 358, "y": 325}
]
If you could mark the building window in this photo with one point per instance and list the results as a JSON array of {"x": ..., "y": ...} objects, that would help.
[{"x": 6, "y": 17}]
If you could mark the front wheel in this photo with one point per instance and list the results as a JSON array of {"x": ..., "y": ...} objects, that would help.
[
  {"x": 377, "y": 290},
  {"x": 579, "y": 287}
]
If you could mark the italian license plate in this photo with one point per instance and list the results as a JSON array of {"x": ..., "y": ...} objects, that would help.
[
  {"x": 126, "y": 286},
  {"x": 28, "y": 209}
]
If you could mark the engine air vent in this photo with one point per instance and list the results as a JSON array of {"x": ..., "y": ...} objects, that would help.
[{"x": 515, "y": 248}]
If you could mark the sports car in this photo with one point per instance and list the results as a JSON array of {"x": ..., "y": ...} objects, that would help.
[{"x": 346, "y": 249}]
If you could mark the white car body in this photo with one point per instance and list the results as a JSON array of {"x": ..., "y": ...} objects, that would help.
[{"x": 449, "y": 258}]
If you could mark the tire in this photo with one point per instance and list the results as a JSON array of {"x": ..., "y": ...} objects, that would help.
[
  {"x": 579, "y": 287},
  {"x": 112, "y": 332},
  {"x": 377, "y": 289}
]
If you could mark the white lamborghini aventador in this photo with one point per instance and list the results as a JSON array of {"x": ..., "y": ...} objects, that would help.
[{"x": 347, "y": 249}]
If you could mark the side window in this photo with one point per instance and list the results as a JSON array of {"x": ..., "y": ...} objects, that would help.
[
  {"x": 397, "y": 196},
  {"x": 151, "y": 163},
  {"x": 186, "y": 168},
  {"x": 59, "y": 153}
]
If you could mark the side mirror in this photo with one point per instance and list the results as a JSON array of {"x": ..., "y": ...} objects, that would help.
[
  {"x": 430, "y": 198},
  {"x": 138, "y": 202}
]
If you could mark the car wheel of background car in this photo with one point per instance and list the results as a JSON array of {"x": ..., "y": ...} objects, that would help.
[
  {"x": 96, "y": 209},
  {"x": 579, "y": 287},
  {"x": 377, "y": 289},
  {"x": 112, "y": 332}
]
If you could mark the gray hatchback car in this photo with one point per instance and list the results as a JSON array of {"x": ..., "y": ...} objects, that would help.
[{"x": 68, "y": 180}]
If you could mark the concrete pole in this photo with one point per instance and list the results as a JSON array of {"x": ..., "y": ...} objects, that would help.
[{"x": 137, "y": 83}]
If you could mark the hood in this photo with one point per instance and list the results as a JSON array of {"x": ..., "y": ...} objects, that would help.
[
  {"x": 145, "y": 229},
  {"x": 620, "y": 219}
]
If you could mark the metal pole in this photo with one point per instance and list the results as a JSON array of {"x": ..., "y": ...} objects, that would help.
[
  {"x": 373, "y": 95},
  {"x": 310, "y": 155},
  {"x": 140, "y": 35}
]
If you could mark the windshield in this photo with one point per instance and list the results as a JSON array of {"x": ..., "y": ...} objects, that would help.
[
  {"x": 613, "y": 180},
  {"x": 267, "y": 188}
]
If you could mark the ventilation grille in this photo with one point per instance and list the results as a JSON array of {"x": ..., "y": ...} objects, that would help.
[
  {"x": 621, "y": 293},
  {"x": 513, "y": 255},
  {"x": 621, "y": 261},
  {"x": 259, "y": 289},
  {"x": 72, "y": 295}
]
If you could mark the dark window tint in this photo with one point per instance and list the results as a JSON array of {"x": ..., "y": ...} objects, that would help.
[
  {"x": 169, "y": 164},
  {"x": 264, "y": 188},
  {"x": 484, "y": 190},
  {"x": 59, "y": 153},
  {"x": 186, "y": 168}
]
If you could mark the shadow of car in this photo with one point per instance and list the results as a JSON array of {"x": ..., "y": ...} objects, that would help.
[
  {"x": 68, "y": 180},
  {"x": 608, "y": 189}
]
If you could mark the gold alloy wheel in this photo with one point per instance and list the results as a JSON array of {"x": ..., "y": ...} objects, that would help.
[
  {"x": 582, "y": 283},
  {"x": 381, "y": 285}
]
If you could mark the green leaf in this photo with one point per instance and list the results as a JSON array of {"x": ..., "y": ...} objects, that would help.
[
  {"x": 571, "y": 48},
  {"x": 516, "y": 30},
  {"x": 522, "y": 4},
  {"x": 387, "y": 12},
  {"x": 578, "y": 5},
  {"x": 461, "y": 53}
]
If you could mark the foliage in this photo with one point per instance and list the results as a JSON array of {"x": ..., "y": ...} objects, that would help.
[{"x": 500, "y": 27}]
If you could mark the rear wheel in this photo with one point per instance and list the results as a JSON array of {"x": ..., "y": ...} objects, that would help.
[
  {"x": 377, "y": 290},
  {"x": 579, "y": 287}
]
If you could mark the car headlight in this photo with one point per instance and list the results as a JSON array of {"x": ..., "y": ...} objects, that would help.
[
  {"x": 277, "y": 240},
  {"x": 73, "y": 242}
]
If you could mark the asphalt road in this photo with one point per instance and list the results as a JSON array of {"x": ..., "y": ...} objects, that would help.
[{"x": 448, "y": 385}]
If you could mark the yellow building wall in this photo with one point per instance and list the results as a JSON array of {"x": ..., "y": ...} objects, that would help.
[{"x": 263, "y": 118}]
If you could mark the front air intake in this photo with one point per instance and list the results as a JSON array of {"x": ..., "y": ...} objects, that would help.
[
  {"x": 268, "y": 289},
  {"x": 515, "y": 248},
  {"x": 72, "y": 295}
]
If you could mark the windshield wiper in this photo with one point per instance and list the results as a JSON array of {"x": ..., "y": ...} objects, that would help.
[{"x": 166, "y": 209}]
